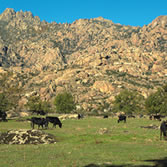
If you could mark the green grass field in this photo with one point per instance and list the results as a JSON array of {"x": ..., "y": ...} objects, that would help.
[{"x": 80, "y": 144}]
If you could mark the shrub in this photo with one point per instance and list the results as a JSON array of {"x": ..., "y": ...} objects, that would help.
[
  {"x": 64, "y": 103},
  {"x": 35, "y": 103},
  {"x": 157, "y": 102},
  {"x": 128, "y": 102}
]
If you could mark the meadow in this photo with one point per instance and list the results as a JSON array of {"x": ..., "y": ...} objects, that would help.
[{"x": 90, "y": 142}]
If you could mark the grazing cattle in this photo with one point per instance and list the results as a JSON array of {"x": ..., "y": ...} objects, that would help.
[
  {"x": 158, "y": 117},
  {"x": 122, "y": 118},
  {"x": 3, "y": 116},
  {"x": 38, "y": 121},
  {"x": 54, "y": 120},
  {"x": 131, "y": 116},
  {"x": 105, "y": 116},
  {"x": 80, "y": 116},
  {"x": 155, "y": 117},
  {"x": 163, "y": 129},
  {"x": 41, "y": 112}
]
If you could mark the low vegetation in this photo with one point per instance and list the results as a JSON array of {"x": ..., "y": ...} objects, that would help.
[{"x": 87, "y": 142}]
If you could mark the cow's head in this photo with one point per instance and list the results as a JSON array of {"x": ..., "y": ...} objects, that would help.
[{"x": 60, "y": 124}]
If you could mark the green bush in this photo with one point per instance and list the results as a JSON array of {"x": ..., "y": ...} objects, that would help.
[
  {"x": 64, "y": 103},
  {"x": 4, "y": 103},
  {"x": 157, "y": 102},
  {"x": 35, "y": 103},
  {"x": 128, "y": 101}
]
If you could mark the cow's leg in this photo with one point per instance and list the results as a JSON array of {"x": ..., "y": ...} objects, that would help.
[
  {"x": 47, "y": 125},
  {"x": 164, "y": 133},
  {"x": 160, "y": 134},
  {"x": 38, "y": 126},
  {"x": 32, "y": 125},
  {"x": 54, "y": 125}
]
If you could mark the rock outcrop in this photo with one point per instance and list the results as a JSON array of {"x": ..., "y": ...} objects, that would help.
[
  {"x": 26, "y": 137},
  {"x": 94, "y": 58}
]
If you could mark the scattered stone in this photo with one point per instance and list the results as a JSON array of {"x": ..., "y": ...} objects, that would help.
[
  {"x": 103, "y": 131},
  {"x": 12, "y": 114}
]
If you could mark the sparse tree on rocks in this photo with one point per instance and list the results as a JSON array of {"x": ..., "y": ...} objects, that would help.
[
  {"x": 4, "y": 103},
  {"x": 10, "y": 89},
  {"x": 36, "y": 104}
]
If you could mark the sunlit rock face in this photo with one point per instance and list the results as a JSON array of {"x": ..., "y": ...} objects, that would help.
[{"x": 94, "y": 59}]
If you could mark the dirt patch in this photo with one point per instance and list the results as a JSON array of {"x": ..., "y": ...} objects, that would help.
[{"x": 26, "y": 137}]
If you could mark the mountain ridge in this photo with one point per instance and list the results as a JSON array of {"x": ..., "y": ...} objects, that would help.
[{"x": 92, "y": 58}]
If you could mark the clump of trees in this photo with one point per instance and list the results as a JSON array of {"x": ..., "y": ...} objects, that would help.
[
  {"x": 9, "y": 92},
  {"x": 156, "y": 103},
  {"x": 128, "y": 102},
  {"x": 64, "y": 102},
  {"x": 4, "y": 103},
  {"x": 36, "y": 104},
  {"x": 131, "y": 102}
]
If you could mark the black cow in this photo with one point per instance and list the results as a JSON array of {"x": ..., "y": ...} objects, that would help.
[
  {"x": 39, "y": 121},
  {"x": 54, "y": 120},
  {"x": 158, "y": 117},
  {"x": 40, "y": 112},
  {"x": 3, "y": 116},
  {"x": 131, "y": 116},
  {"x": 80, "y": 116},
  {"x": 122, "y": 118},
  {"x": 163, "y": 129},
  {"x": 155, "y": 117},
  {"x": 105, "y": 116}
]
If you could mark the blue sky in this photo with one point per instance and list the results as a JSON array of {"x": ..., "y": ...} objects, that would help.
[{"x": 125, "y": 12}]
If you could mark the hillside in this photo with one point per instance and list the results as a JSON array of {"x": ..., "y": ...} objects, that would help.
[{"x": 94, "y": 58}]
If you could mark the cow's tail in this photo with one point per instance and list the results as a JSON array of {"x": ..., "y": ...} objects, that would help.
[
  {"x": 164, "y": 133},
  {"x": 32, "y": 124}
]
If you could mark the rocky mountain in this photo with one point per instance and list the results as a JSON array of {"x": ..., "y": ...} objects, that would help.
[{"x": 94, "y": 58}]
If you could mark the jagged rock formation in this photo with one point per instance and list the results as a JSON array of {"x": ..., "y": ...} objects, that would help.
[
  {"x": 92, "y": 58},
  {"x": 24, "y": 136}
]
